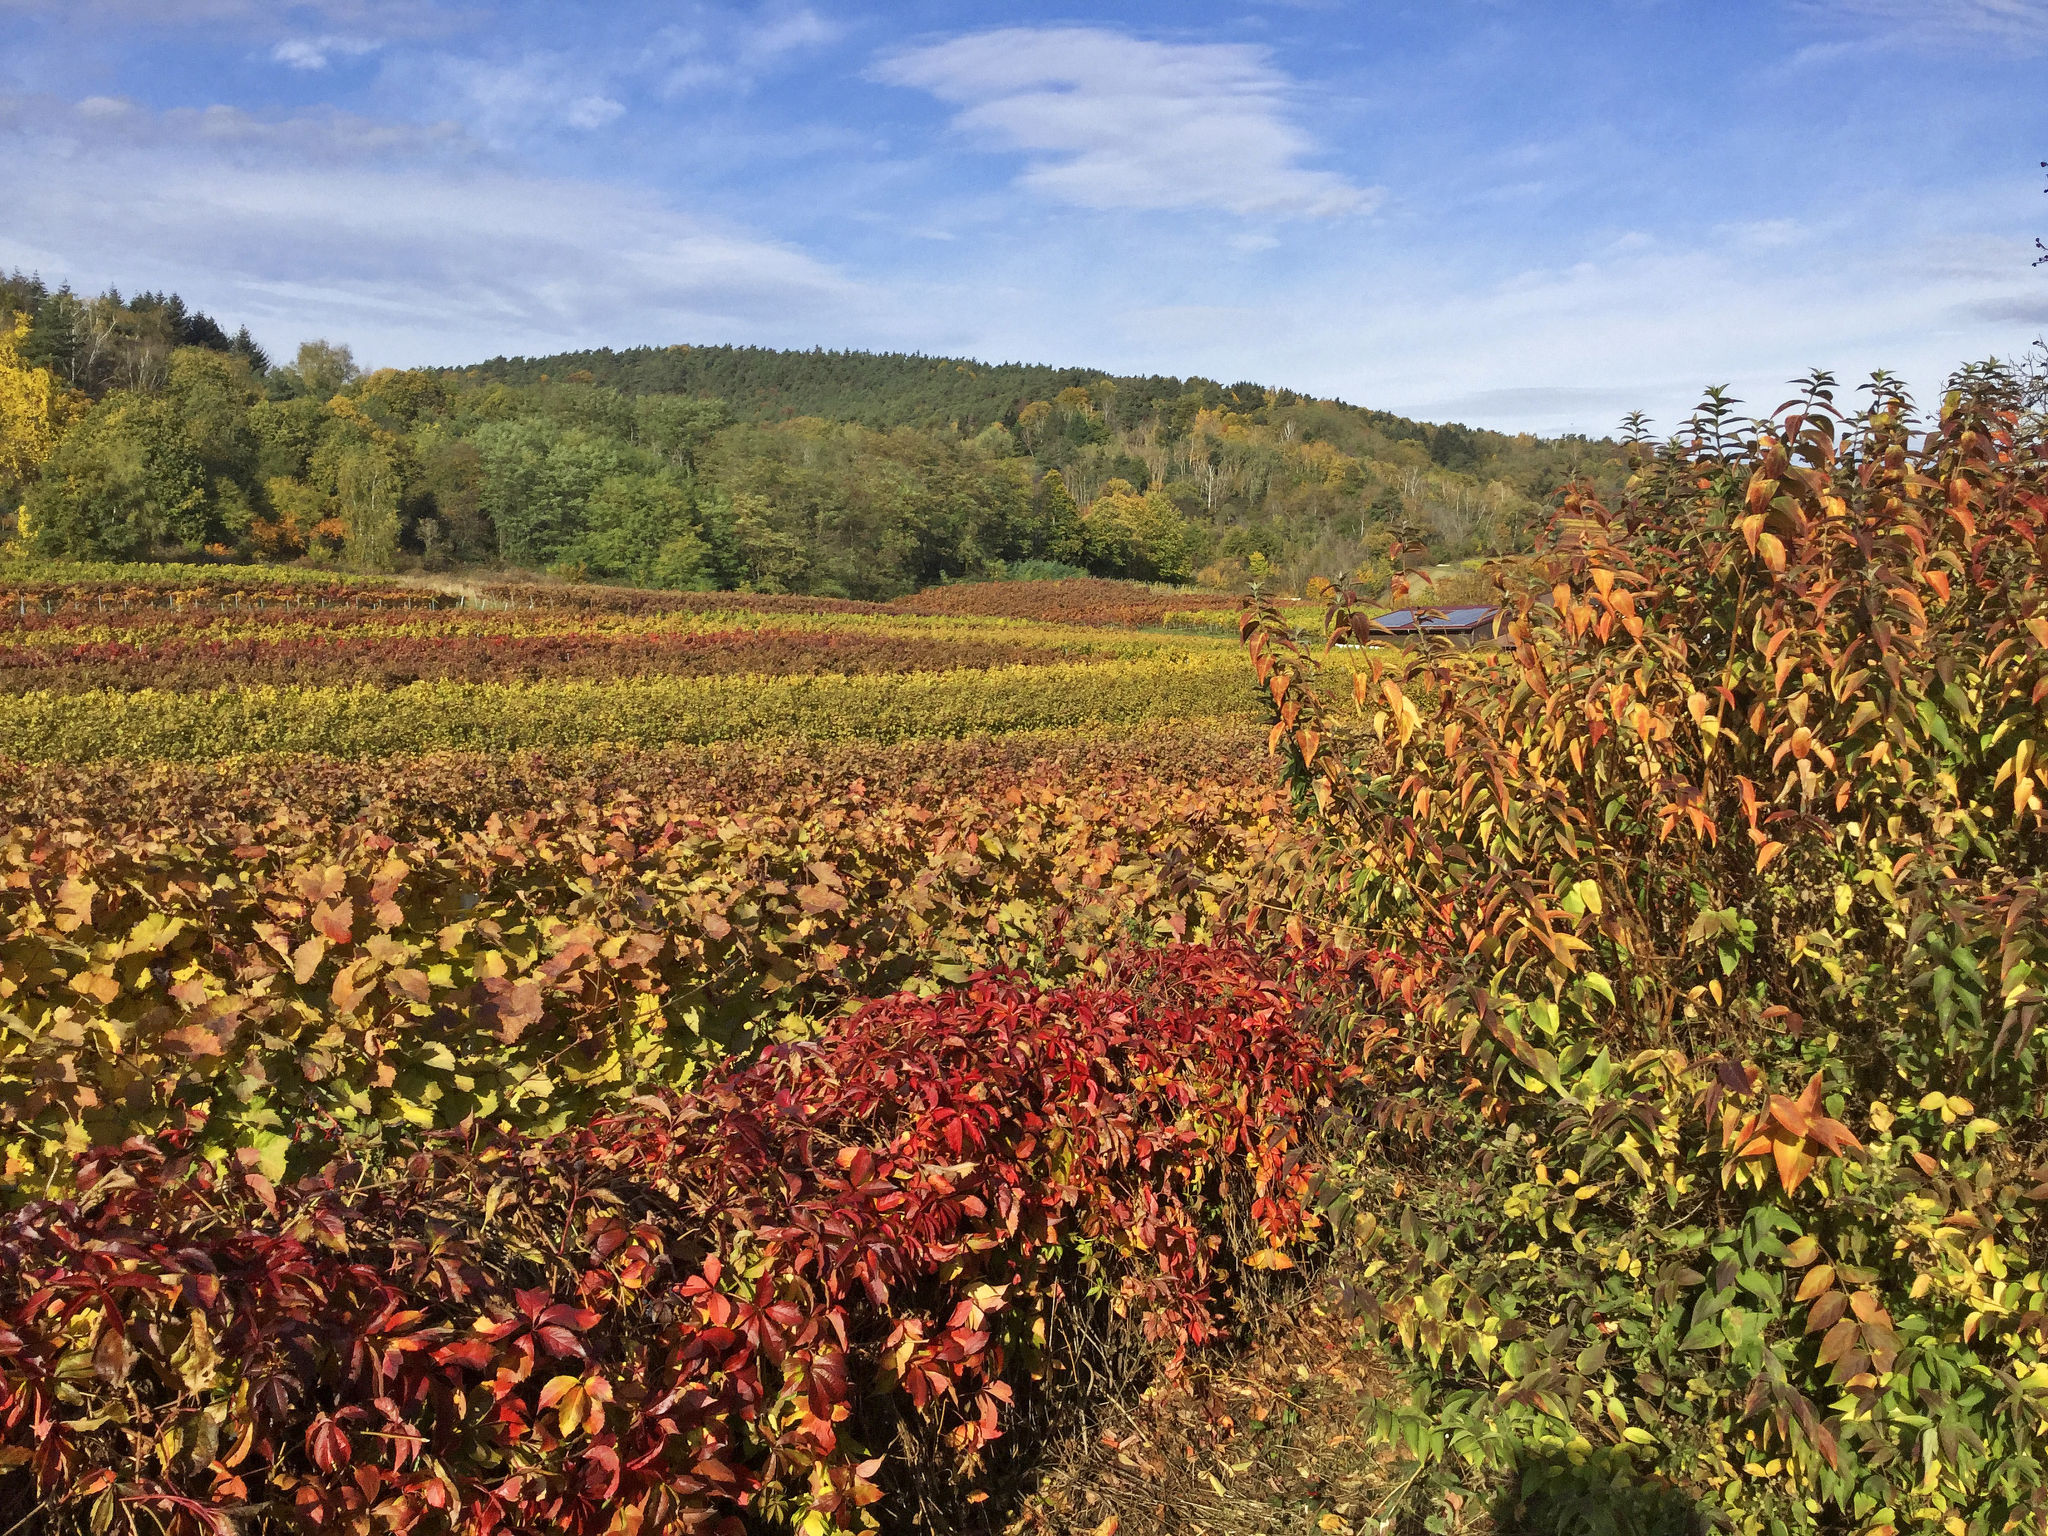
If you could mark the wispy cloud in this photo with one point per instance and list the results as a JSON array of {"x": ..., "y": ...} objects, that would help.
[
  {"x": 733, "y": 49},
  {"x": 771, "y": 34},
  {"x": 509, "y": 101},
  {"x": 1113, "y": 121},
  {"x": 1958, "y": 23},
  {"x": 314, "y": 53},
  {"x": 410, "y": 17},
  {"x": 418, "y": 244}
]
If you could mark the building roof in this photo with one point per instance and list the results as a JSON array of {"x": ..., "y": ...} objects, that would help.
[{"x": 1451, "y": 621}]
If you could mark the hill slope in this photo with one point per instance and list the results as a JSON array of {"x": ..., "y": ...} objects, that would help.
[{"x": 880, "y": 390}]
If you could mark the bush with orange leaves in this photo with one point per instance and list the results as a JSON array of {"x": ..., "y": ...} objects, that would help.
[{"x": 1712, "y": 1147}]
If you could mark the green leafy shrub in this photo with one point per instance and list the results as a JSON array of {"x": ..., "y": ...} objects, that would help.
[{"x": 1713, "y": 1136}]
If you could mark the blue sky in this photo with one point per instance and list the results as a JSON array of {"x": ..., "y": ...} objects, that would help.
[{"x": 1523, "y": 215}]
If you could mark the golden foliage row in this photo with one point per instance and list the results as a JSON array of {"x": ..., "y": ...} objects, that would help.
[{"x": 425, "y": 717}]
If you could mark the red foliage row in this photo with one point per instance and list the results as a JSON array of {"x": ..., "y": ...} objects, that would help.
[
  {"x": 185, "y": 666},
  {"x": 718, "y": 1302},
  {"x": 1076, "y": 601}
]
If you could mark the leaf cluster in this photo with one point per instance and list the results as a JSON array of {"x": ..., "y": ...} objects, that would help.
[
  {"x": 1712, "y": 1134},
  {"x": 745, "y": 1301}
]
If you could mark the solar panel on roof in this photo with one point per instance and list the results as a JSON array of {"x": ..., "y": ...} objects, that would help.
[{"x": 1450, "y": 620}]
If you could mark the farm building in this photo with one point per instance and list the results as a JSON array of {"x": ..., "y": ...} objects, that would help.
[{"x": 1481, "y": 624}]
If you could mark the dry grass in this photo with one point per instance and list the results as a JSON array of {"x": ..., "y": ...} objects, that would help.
[{"x": 1263, "y": 1441}]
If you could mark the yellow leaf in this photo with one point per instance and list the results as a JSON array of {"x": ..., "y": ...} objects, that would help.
[
  {"x": 1821, "y": 1278},
  {"x": 1271, "y": 1258},
  {"x": 1406, "y": 716}
]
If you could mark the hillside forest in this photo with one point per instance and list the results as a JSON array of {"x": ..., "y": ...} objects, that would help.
[{"x": 140, "y": 428}]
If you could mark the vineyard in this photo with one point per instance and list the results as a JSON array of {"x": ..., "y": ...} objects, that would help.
[
  {"x": 645, "y": 925},
  {"x": 108, "y": 669},
  {"x": 541, "y": 1058}
]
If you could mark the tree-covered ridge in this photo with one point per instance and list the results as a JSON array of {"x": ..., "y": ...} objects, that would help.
[
  {"x": 137, "y": 429},
  {"x": 895, "y": 389},
  {"x": 881, "y": 389},
  {"x": 874, "y": 389}
]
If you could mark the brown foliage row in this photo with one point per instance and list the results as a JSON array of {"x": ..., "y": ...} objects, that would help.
[
  {"x": 1073, "y": 601},
  {"x": 185, "y": 666}
]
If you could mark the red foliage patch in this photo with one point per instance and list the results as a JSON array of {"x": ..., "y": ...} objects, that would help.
[
  {"x": 679, "y": 1313},
  {"x": 391, "y": 661}
]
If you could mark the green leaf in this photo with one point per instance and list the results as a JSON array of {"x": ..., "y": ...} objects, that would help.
[{"x": 1703, "y": 1335}]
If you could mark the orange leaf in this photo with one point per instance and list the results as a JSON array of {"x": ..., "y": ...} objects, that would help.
[
  {"x": 334, "y": 921},
  {"x": 1809, "y": 1100},
  {"x": 1820, "y": 1278},
  {"x": 1789, "y": 1114},
  {"x": 1795, "y": 1161}
]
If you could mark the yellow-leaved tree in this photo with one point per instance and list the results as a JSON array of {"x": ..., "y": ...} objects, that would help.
[{"x": 35, "y": 411}]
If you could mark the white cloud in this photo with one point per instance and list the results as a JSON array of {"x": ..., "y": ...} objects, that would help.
[
  {"x": 592, "y": 112},
  {"x": 1113, "y": 121},
  {"x": 727, "y": 50},
  {"x": 415, "y": 244},
  {"x": 510, "y": 102},
  {"x": 314, "y": 53},
  {"x": 1954, "y": 23},
  {"x": 1569, "y": 346},
  {"x": 771, "y": 35}
]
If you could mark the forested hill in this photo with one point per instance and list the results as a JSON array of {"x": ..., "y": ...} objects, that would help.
[
  {"x": 140, "y": 427},
  {"x": 880, "y": 390},
  {"x": 875, "y": 389}
]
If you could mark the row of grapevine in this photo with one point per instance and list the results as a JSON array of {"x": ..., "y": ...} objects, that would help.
[
  {"x": 274, "y": 954},
  {"x": 1067, "y": 602},
  {"x": 385, "y": 661},
  {"x": 366, "y": 722},
  {"x": 144, "y": 588}
]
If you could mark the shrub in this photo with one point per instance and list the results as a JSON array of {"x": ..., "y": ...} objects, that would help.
[
  {"x": 1714, "y": 1135},
  {"x": 774, "y": 1297}
]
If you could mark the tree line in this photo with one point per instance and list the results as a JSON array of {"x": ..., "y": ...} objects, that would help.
[{"x": 140, "y": 428}]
